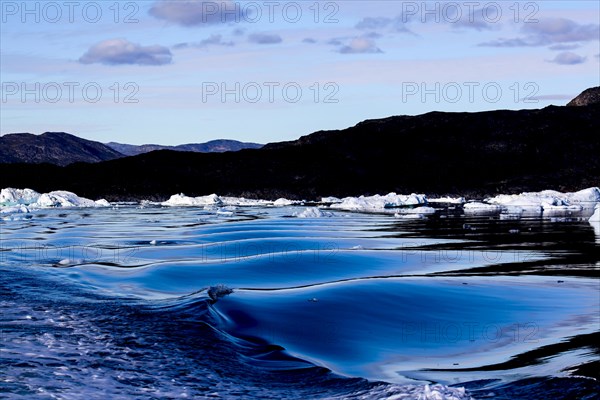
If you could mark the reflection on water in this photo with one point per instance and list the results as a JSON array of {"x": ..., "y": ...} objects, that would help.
[{"x": 182, "y": 302}]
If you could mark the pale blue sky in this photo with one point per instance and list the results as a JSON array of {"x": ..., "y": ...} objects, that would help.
[{"x": 285, "y": 73}]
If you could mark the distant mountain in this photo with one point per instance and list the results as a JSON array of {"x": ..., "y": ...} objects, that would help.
[
  {"x": 587, "y": 97},
  {"x": 213, "y": 146},
  {"x": 469, "y": 154},
  {"x": 52, "y": 147}
]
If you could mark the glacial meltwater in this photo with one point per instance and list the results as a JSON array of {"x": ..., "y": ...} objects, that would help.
[{"x": 159, "y": 302}]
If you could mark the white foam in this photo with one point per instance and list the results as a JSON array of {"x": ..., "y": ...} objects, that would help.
[
  {"x": 313, "y": 212},
  {"x": 414, "y": 392}
]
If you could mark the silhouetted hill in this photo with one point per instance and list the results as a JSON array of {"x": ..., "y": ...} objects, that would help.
[
  {"x": 213, "y": 146},
  {"x": 52, "y": 147},
  {"x": 437, "y": 153},
  {"x": 587, "y": 97}
]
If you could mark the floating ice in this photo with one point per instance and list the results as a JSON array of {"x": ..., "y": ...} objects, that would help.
[
  {"x": 330, "y": 199},
  {"x": 10, "y": 197},
  {"x": 481, "y": 208},
  {"x": 415, "y": 213},
  {"x": 448, "y": 200},
  {"x": 284, "y": 202},
  {"x": 595, "y": 220},
  {"x": 178, "y": 200},
  {"x": 379, "y": 203},
  {"x": 313, "y": 212},
  {"x": 548, "y": 202},
  {"x": 14, "y": 209}
]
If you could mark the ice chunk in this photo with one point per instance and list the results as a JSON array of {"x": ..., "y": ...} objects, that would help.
[
  {"x": 14, "y": 209},
  {"x": 378, "y": 202},
  {"x": 62, "y": 198},
  {"x": 481, "y": 208},
  {"x": 595, "y": 220},
  {"x": 415, "y": 213},
  {"x": 284, "y": 202},
  {"x": 11, "y": 197},
  {"x": 448, "y": 200},
  {"x": 242, "y": 202},
  {"x": 313, "y": 212},
  {"x": 178, "y": 200},
  {"x": 330, "y": 200}
]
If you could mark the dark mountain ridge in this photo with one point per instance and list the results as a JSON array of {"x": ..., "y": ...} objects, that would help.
[
  {"x": 58, "y": 148},
  {"x": 212, "y": 146},
  {"x": 471, "y": 154}
]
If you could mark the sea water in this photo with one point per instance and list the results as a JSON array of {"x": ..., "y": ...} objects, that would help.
[{"x": 258, "y": 302}]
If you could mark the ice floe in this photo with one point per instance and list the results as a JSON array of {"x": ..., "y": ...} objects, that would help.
[
  {"x": 178, "y": 200},
  {"x": 24, "y": 200},
  {"x": 378, "y": 202},
  {"x": 313, "y": 212},
  {"x": 595, "y": 220}
]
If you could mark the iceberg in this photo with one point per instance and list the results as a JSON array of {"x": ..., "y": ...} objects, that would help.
[
  {"x": 379, "y": 203},
  {"x": 479, "y": 208},
  {"x": 179, "y": 200},
  {"x": 313, "y": 212},
  {"x": 448, "y": 200},
  {"x": 547, "y": 202},
  {"x": 9, "y": 198},
  {"x": 595, "y": 220}
]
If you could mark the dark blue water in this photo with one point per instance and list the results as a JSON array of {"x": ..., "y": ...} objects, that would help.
[{"x": 191, "y": 303}]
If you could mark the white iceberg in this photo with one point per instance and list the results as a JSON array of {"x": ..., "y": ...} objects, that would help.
[
  {"x": 415, "y": 213},
  {"x": 330, "y": 200},
  {"x": 313, "y": 212},
  {"x": 178, "y": 200},
  {"x": 448, "y": 200},
  {"x": 595, "y": 220},
  {"x": 14, "y": 209},
  {"x": 11, "y": 197},
  {"x": 478, "y": 208},
  {"x": 379, "y": 203},
  {"x": 60, "y": 198},
  {"x": 548, "y": 202},
  {"x": 284, "y": 202}
]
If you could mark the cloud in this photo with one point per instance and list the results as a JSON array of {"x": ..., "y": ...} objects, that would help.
[
  {"x": 360, "y": 45},
  {"x": 482, "y": 19},
  {"x": 568, "y": 58},
  {"x": 397, "y": 24},
  {"x": 121, "y": 51},
  {"x": 309, "y": 40},
  {"x": 549, "y": 32},
  {"x": 212, "y": 40},
  {"x": 564, "y": 47},
  {"x": 197, "y": 12},
  {"x": 265, "y": 38},
  {"x": 546, "y": 97}
]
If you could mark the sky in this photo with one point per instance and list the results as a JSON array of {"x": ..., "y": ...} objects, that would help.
[{"x": 189, "y": 71}]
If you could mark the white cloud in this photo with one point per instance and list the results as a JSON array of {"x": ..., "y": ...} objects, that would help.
[
  {"x": 360, "y": 45},
  {"x": 122, "y": 51},
  {"x": 568, "y": 58},
  {"x": 197, "y": 12}
]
